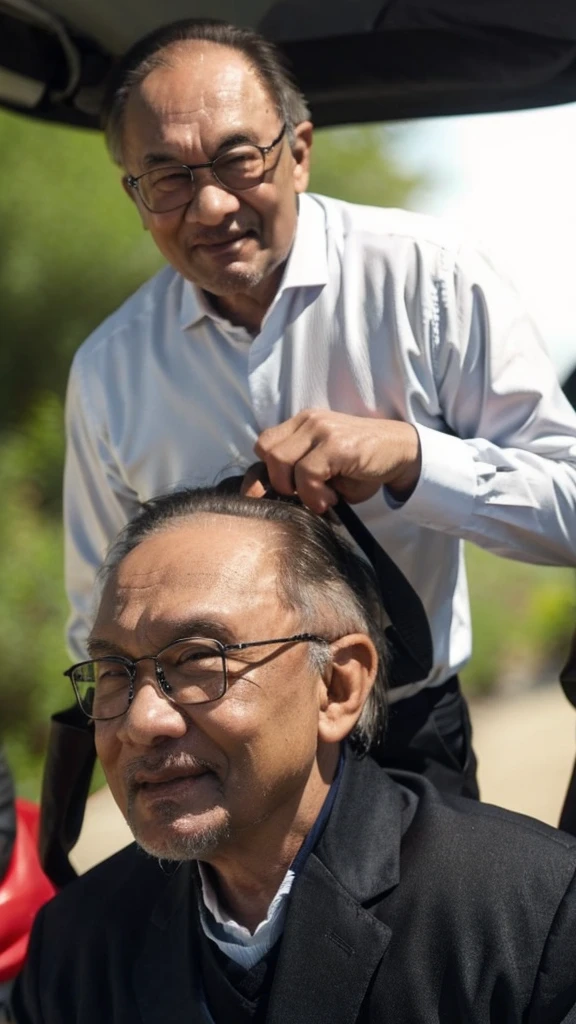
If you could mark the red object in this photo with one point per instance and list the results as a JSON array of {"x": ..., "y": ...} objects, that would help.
[{"x": 23, "y": 891}]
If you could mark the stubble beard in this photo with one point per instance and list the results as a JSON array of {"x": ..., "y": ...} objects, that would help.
[
  {"x": 224, "y": 283},
  {"x": 178, "y": 844}
]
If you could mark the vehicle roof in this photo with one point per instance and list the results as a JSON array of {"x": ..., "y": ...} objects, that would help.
[{"x": 357, "y": 60}]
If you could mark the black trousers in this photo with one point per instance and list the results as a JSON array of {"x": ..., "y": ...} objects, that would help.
[{"x": 431, "y": 734}]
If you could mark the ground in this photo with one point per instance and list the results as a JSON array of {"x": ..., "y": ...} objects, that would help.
[{"x": 525, "y": 745}]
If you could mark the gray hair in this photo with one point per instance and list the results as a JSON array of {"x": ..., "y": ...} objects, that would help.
[
  {"x": 319, "y": 575},
  {"x": 153, "y": 51}
]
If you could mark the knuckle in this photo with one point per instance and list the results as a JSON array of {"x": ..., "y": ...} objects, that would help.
[
  {"x": 264, "y": 443},
  {"x": 316, "y": 416}
]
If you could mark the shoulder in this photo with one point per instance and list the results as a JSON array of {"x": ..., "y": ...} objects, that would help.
[
  {"x": 373, "y": 225},
  {"x": 156, "y": 301},
  {"x": 496, "y": 850},
  {"x": 408, "y": 247},
  {"x": 451, "y": 841}
]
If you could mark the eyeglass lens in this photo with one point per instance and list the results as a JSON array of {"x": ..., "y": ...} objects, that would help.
[
  {"x": 167, "y": 188},
  {"x": 192, "y": 672}
]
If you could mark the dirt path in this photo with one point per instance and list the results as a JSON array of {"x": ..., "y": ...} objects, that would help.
[{"x": 525, "y": 746}]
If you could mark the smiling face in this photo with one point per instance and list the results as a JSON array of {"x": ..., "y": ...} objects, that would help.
[
  {"x": 202, "y": 779},
  {"x": 208, "y": 98}
]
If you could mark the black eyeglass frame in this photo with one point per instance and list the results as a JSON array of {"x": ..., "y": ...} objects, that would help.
[
  {"x": 133, "y": 182},
  {"x": 163, "y": 684}
]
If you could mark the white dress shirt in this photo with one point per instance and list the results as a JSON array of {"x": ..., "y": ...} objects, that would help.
[{"x": 380, "y": 313}]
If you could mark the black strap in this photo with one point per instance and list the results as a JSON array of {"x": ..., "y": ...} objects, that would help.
[
  {"x": 568, "y": 681},
  {"x": 568, "y": 813},
  {"x": 409, "y": 636},
  {"x": 66, "y": 781}
]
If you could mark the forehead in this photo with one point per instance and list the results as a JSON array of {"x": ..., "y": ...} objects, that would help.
[
  {"x": 204, "y": 84},
  {"x": 210, "y": 568}
]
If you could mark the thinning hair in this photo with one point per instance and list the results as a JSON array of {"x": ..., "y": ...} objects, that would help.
[
  {"x": 320, "y": 575},
  {"x": 159, "y": 49}
]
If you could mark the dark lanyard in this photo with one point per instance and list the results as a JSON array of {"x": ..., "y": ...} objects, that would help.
[{"x": 408, "y": 636}]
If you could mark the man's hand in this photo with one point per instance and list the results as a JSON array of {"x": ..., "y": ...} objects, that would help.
[{"x": 323, "y": 455}]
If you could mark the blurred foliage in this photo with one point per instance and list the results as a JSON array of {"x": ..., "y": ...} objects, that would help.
[
  {"x": 346, "y": 164},
  {"x": 32, "y": 605},
  {"x": 523, "y": 616},
  {"x": 73, "y": 250}
]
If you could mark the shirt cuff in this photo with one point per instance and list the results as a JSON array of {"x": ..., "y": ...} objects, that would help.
[{"x": 443, "y": 498}]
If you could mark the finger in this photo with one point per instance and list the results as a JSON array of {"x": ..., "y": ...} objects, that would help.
[
  {"x": 255, "y": 481},
  {"x": 270, "y": 438},
  {"x": 283, "y": 457},
  {"x": 313, "y": 481}
]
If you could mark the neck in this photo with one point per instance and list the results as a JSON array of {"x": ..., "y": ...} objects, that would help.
[
  {"x": 248, "y": 874},
  {"x": 248, "y": 309}
]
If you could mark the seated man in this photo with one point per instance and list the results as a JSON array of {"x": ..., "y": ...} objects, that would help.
[{"x": 279, "y": 874}]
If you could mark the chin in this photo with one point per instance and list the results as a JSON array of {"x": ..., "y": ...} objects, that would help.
[
  {"x": 236, "y": 277},
  {"x": 188, "y": 837}
]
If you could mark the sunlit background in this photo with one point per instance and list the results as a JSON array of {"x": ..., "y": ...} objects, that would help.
[{"x": 72, "y": 249}]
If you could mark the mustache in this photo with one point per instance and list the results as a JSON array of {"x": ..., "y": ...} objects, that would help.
[{"x": 162, "y": 762}]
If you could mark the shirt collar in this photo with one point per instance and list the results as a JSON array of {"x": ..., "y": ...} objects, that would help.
[{"x": 307, "y": 264}]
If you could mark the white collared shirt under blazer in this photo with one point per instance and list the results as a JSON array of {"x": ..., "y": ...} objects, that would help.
[{"x": 380, "y": 313}]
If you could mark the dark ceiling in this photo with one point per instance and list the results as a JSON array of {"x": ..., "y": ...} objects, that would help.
[{"x": 357, "y": 60}]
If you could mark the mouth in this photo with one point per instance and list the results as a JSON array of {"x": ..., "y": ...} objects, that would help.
[
  {"x": 171, "y": 785},
  {"x": 227, "y": 246},
  {"x": 144, "y": 778}
]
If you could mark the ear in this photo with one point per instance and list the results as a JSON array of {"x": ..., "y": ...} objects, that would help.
[
  {"x": 301, "y": 154},
  {"x": 346, "y": 686},
  {"x": 133, "y": 195}
]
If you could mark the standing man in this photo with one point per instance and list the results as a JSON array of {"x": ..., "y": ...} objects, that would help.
[{"x": 357, "y": 351}]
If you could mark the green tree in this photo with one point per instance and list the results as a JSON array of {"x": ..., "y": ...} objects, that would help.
[
  {"x": 72, "y": 250},
  {"x": 363, "y": 165}
]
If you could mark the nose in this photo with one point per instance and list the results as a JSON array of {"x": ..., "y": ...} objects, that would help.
[
  {"x": 151, "y": 718},
  {"x": 211, "y": 203}
]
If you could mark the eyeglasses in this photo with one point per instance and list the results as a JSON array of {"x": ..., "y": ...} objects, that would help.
[
  {"x": 238, "y": 169},
  {"x": 190, "y": 671}
]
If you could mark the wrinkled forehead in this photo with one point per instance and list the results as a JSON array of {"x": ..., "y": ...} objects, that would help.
[
  {"x": 212, "y": 568},
  {"x": 200, "y": 81}
]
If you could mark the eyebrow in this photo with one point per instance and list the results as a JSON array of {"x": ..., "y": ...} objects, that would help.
[
  {"x": 235, "y": 139},
  {"x": 210, "y": 629}
]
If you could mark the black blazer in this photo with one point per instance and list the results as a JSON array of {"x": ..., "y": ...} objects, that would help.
[{"x": 414, "y": 908}]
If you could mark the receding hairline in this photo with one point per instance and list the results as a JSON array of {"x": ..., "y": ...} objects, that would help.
[
  {"x": 279, "y": 548},
  {"x": 165, "y": 46},
  {"x": 173, "y": 56},
  {"x": 283, "y": 530}
]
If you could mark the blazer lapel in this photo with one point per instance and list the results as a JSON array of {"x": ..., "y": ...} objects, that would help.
[
  {"x": 330, "y": 950},
  {"x": 166, "y": 977},
  {"x": 332, "y": 945}
]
